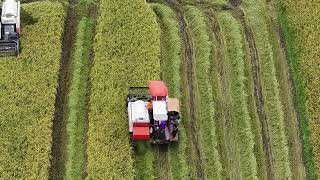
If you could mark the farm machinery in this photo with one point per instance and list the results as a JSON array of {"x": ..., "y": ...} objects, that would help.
[
  {"x": 10, "y": 28},
  {"x": 152, "y": 114}
]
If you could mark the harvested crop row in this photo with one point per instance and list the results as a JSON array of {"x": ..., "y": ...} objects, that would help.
[
  {"x": 256, "y": 16},
  {"x": 187, "y": 98},
  {"x": 127, "y": 52},
  {"x": 143, "y": 161},
  {"x": 242, "y": 120},
  {"x": 171, "y": 60},
  {"x": 207, "y": 2},
  {"x": 300, "y": 20},
  {"x": 284, "y": 77},
  {"x": 215, "y": 2},
  {"x": 202, "y": 49},
  {"x": 255, "y": 101},
  {"x": 221, "y": 98},
  {"x": 76, "y": 116},
  {"x": 27, "y": 93}
]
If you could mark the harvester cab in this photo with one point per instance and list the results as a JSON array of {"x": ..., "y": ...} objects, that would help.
[
  {"x": 10, "y": 28},
  {"x": 152, "y": 115}
]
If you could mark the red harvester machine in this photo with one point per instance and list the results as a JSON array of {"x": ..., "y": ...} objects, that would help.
[{"x": 152, "y": 115}]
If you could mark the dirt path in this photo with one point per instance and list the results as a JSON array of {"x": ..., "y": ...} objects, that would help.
[
  {"x": 239, "y": 15},
  {"x": 188, "y": 63},
  {"x": 59, "y": 132}
]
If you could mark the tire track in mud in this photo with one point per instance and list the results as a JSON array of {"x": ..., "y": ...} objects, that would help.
[
  {"x": 188, "y": 62},
  {"x": 59, "y": 132},
  {"x": 238, "y": 14}
]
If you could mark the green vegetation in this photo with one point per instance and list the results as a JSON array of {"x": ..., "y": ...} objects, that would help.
[
  {"x": 300, "y": 23},
  {"x": 256, "y": 17},
  {"x": 127, "y": 53},
  {"x": 240, "y": 111},
  {"x": 202, "y": 45},
  {"x": 221, "y": 139},
  {"x": 76, "y": 118},
  {"x": 292, "y": 129},
  {"x": 144, "y": 159},
  {"x": 207, "y": 2},
  {"x": 170, "y": 65},
  {"x": 217, "y": 2},
  {"x": 171, "y": 43},
  {"x": 27, "y": 93}
]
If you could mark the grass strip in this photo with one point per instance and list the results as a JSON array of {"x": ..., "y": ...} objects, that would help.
[
  {"x": 171, "y": 61},
  {"x": 256, "y": 125},
  {"x": 292, "y": 129},
  {"x": 207, "y": 2},
  {"x": 290, "y": 24},
  {"x": 76, "y": 116},
  {"x": 144, "y": 159},
  {"x": 256, "y": 17},
  {"x": 235, "y": 59},
  {"x": 202, "y": 48}
]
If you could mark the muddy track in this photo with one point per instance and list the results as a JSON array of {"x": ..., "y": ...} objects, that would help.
[
  {"x": 239, "y": 15},
  {"x": 188, "y": 58},
  {"x": 59, "y": 132}
]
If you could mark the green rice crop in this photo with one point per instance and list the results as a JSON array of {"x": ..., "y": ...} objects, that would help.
[
  {"x": 256, "y": 17},
  {"x": 235, "y": 60},
  {"x": 27, "y": 93},
  {"x": 202, "y": 45},
  {"x": 171, "y": 60},
  {"x": 127, "y": 53}
]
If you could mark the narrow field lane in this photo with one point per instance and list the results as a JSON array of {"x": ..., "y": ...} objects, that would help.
[{"x": 59, "y": 132}]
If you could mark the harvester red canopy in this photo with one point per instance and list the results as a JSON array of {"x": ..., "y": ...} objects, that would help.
[{"x": 158, "y": 88}]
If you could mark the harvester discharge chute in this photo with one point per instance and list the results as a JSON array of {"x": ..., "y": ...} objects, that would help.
[
  {"x": 152, "y": 115},
  {"x": 10, "y": 28}
]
